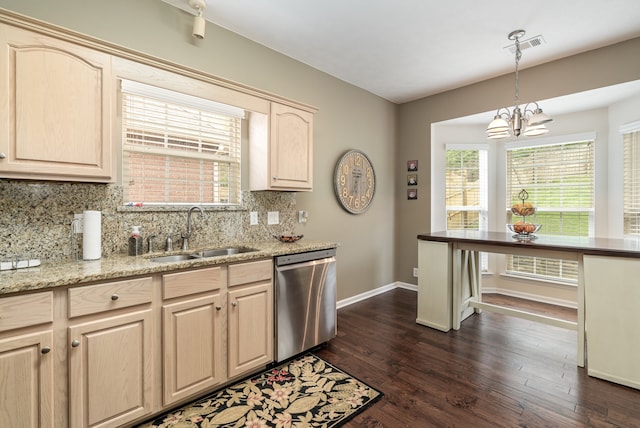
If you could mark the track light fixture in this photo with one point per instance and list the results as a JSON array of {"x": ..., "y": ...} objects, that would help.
[
  {"x": 198, "y": 20},
  {"x": 530, "y": 121}
]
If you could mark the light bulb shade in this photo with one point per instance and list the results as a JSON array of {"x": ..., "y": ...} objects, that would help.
[
  {"x": 498, "y": 135},
  {"x": 539, "y": 118},
  {"x": 198, "y": 26},
  {"x": 535, "y": 130},
  {"x": 498, "y": 124}
]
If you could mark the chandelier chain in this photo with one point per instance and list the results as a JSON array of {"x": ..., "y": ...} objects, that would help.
[{"x": 518, "y": 56}]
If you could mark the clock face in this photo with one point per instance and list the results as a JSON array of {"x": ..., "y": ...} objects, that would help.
[{"x": 354, "y": 181}]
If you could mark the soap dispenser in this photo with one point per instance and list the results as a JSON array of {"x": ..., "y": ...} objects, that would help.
[{"x": 135, "y": 242}]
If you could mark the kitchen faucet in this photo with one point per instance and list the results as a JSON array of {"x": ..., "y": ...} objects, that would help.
[{"x": 186, "y": 236}]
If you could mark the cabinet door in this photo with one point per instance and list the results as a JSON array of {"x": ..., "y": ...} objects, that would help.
[
  {"x": 110, "y": 370},
  {"x": 250, "y": 327},
  {"x": 192, "y": 346},
  {"x": 611, "y": 296},
  {"x": 291, "y": 149},
  {"x": 26, "y": 380},
  {"x": 54, "y": 110}
]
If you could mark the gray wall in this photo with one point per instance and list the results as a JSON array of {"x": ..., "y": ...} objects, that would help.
[{"x": 348, "y": 118}]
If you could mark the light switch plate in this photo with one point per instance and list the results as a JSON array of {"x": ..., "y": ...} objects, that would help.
[
  {"x": 302, "y": 216},
  {"x": 78, "y": 223},
  {"x": 253, "y": 218},
  {"x": 273, "y": 217}
]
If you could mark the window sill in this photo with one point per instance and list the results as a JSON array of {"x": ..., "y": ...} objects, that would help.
[
  {"x": 177, "y": 208},
  {"x": 556, "y": 283}
]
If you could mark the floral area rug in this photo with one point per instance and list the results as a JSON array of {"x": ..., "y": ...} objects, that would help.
[{"x": 304, "y": 392}]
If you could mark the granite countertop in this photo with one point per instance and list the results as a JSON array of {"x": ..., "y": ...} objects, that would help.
[{"x": 57, "y": 274}]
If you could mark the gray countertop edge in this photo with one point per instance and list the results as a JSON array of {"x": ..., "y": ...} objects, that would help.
[{"x": 50, "y": 275}]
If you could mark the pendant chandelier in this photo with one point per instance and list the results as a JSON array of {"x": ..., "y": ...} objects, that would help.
[{"x": 529, "y": 121}]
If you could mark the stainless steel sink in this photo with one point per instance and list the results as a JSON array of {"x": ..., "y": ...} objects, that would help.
[
  {"x": 215, "y": 252},
  {"x": 173, "y": 258}
]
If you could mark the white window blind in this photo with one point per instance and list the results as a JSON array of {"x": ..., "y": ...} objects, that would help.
[
  {"x": 631, "y": 150},
  {"x": 179, "y": 149},
  {"x": 559, "y": 179}
]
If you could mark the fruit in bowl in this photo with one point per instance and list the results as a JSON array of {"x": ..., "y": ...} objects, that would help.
[
  {"x": 522, "y": 228},
  {"x": 523, "y": 209}
]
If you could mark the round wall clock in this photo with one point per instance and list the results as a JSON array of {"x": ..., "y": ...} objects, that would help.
[{"x": 354, "y": 181}]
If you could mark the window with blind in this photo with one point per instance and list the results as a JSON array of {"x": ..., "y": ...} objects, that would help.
[
  {"x": 179, "y": 149},
  {"x": 466, "y": 184},
  {"x": 631, "y": 202},
  {"x": 559, "y": 179},
  {"x": 466, "y": 191}
]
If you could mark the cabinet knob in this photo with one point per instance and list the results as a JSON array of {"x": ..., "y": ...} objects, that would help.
[
  {"x": 115, "y": 297},
  {"x": 234, "y": 303},
  {"x": 75, "y": 343},
  {"x": 45, "y": 350},
  {"x": 218, "y": 307},
  {"x": 3, "y": 156},
  {"x": 275, "y": 178}
]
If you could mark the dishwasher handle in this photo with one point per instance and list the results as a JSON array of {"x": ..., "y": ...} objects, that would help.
[
  {"x": 295, "y": 258},
  {"x": 302, "y": 265}
]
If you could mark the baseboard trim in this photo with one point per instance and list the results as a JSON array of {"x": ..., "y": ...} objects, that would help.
[
  {"x": 398, "y": 284},
  {"x": 376, "y": 291},
  {"x": 533, "y": 297}
]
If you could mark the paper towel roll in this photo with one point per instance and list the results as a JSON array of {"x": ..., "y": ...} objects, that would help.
[{"x": 92, "y": 235}]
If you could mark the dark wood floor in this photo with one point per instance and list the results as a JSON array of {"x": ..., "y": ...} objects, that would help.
[{"x": 496, "y": 371}]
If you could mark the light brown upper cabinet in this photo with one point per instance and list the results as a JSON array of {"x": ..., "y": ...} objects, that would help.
[
  {"x": 55, "y": 117},
  {"x": 281, "y": 149}
]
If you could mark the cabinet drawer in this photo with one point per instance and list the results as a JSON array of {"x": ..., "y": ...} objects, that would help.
[
  {"x": 192, "y": 282},
  {"x": 108, "y": 296},
  {"x": 244, "y": 273},
  {"x": 23, "y": 311}
]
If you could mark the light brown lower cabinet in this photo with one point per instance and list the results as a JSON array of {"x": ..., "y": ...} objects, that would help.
[
  {"x": 192, "y": 329},
  {"x": 27, "y": 361},
  {"x": 26, "y": 380},
  {"x": 250, "y": 316},
  {"x": 114, "y": 353},
  {"x": 110, "y": 371}
]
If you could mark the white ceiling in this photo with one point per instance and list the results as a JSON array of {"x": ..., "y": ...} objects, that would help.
[{"x": 403, "y": 50}]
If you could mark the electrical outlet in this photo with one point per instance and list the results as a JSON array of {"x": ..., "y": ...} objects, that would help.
[
  {"x": 273, "y": 217},
  {"x": 253, "y": 218},
  {"x": 78, "y": 223},
  {"x": 415, "y": 272},
  {"x": 302, "y": 216}
]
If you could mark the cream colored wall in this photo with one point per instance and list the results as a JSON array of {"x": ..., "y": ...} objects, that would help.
[
  {"x": 348, "y": 118},
  {"x": 602, "y": 67}
]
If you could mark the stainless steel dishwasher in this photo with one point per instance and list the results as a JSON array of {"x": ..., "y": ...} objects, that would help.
[{"x": 305, "y": 301}]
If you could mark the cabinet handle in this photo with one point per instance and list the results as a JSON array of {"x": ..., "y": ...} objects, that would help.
[
  {"x": 45, "y": 350},
  {"x": 234, "y": 303},
  {"x": 114, "y": 297},
  {"x": 218, "y": 307},
  {"x": 3, "y": 156},
  {"x": 75, "y": 343},
  {"x": 275, "y": 178}
]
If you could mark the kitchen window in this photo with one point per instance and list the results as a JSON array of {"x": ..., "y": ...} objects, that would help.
[
  {"x": 559, "y": 179},
  {"x": 179, "y": 149},
  {"x": 631, "y": 177}
]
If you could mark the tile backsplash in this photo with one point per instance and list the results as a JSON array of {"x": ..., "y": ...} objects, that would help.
[{"x": 36, "y": 217}]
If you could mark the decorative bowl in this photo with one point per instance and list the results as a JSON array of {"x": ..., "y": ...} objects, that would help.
[
  {"x": 288, "y": 238},
  {"x": 523, "y": 211},
  {"x": 524, "y": 230}
]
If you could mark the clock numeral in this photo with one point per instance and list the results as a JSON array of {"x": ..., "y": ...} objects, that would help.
[
  {"x": 343, "y": 180},
  {"x": 345, "y": 192}
]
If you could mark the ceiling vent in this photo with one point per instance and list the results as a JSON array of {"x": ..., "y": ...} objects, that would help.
[{"x": 533, "y": 42}]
